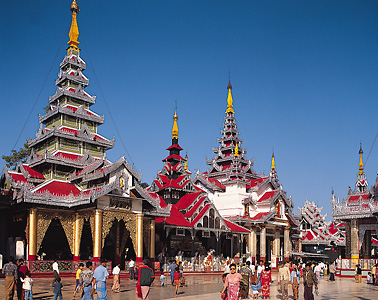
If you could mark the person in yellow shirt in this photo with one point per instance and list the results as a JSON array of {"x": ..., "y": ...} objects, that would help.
[{"x": 77, "y": 287}]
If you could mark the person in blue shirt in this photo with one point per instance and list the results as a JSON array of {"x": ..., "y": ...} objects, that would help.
[
  {"x": 172, "y": 268},
  {"x": 100, "y": 275},
  {"x": 58, "y": 289}
]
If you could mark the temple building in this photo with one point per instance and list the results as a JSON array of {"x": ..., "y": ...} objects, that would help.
[
  {"x": 359, "y": 212},
  {"x": 252, "y": 200},
  {"x": 67, "y": 201},
  {"x": 194, "y": 225},
  {"x": 320, "y": 239}
]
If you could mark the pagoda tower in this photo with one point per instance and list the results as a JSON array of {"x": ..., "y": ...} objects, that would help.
[
  {"x": 67, "y": 184},
  {"x": 67, "y": 140},
  {"x": 230, "y": 163}
]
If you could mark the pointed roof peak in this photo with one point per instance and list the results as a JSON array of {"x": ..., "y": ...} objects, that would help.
[
  {"x": 74, "y": 30},
  {"x": 361, "y": 163},
  {"x": 175, "y": 126},
  {"x": 273, "y": 166},
  {"x": 229, "y": 86},
  {"x": 230, "y": 105}
]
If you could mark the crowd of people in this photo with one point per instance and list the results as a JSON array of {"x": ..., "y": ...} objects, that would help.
[
  {"x": 17, "y": 276},
  {"x": 241, "y": 281}
]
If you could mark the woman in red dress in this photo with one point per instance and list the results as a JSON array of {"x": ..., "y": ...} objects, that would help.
[{"x": 266, "y": 279}]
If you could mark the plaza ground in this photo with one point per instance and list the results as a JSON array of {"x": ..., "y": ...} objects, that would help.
[{"x": 206, "y": 287}]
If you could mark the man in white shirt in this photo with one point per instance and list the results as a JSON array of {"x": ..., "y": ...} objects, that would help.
[
  {"x": 131, "y": 269},
  {"x": 283, "y": 280},
  {"x": 260, "y": 267},
  {"x": 55, "y": 268},
  {"x": 317, "y": 271}
]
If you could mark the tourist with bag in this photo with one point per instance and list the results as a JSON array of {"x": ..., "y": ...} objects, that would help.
[
  {"x": 145, "y": 276},
  {"x": 232, "y": 283}
]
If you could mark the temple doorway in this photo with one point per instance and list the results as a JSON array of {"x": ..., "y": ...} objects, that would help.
[
  {"x": 55, "y": 244},
  {"x": 86, "y": 243}
]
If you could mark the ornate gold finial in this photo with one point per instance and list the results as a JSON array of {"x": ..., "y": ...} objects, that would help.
[
  {"x": 273, "y": 167},
  {"x": 175, "y": 127},
  {"x": 361, "y": 163},
  {"x": 236, "y": 151},
  {"x": 74, "y": 30},
  {"x": 229, "y": 99},
  {"x": 186, "y": 162}
]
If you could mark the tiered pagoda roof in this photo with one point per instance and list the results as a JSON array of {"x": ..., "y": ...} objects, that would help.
[
  {"x": 315, "y": 230},
  {"x": 254, "y": 198},
  {"x": 67, "y": 166},
  {"x": 360, "y": 202},
  {"x": 189, "y": 206}
]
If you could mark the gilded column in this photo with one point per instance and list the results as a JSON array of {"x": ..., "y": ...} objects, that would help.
[
  {"x": 32, "y": 234},
  {"x": 354, "y": 247},
  {"x": 252, "y": 245},
  {"x": 77, "y": 238},
  {"x": 139, "y": 250},
  {"x": 300, "y": 245},
  {"x": 97, "y": 239},
  {"x": 263, "y": 244},
  {"x": 152, "y": 234},
  {"x": 287, "y": 244}
]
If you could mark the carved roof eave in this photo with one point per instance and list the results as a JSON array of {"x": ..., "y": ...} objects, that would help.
[
  {"x": 79, "y": 63},
  {"x": 65, "y": 92},
  {"x": 32, "y": 142},
  {"x": 154, "y": 202},
  {"x": 208, "y": 185},
  {"x": 76, "y": 78},
  {"x": 293, "y": 218},
  {"x": 70, "y": 112}
]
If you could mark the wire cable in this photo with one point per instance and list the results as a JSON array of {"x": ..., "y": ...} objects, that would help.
[
  {"x": 40, "y": 92},
  {"x": 367, "y": 158},
  {"x": 106, "y": 104}
]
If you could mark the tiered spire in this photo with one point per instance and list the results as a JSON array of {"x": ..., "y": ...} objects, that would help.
[
  {"x": 273, "y": 172},
  {"x": 230, "y": 162},
  {"x": 175, "y": 127},
  {"x": 361, "y": 183},
  {"x": 361, "y": 163}
]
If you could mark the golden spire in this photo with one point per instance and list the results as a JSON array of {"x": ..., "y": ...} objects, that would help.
[
  {"x": 74, "y": 30},
  {"x": 236, "y": 151},
  {"x": 175, "y": 127},
  {"x": 361, "y": 163},
  {"x": 273, "y": 167},
  {"x": 186, "y": 162},
  {"x": 229, "y": 99}
]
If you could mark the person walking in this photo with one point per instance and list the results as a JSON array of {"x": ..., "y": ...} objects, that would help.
[
  {"x": 309, "y": 280},
  {"x": 317, "y": 271},
  {"x": 100, "y": 275},
  {"x": 266, "y": 280},
  {"x": 57, "y": 289},
  {"x": 55, "y": 268},
  {"x": 172, "y": 268},
  {"x": 246, "y": 273},
  {"x": 232, "y": 283},
  {"x": 85, "y": 281},
  {"x": 22, "y": 270},
  {"x": 116, "y": 279},
  {"x": 79, "y": 270},
  {"x": 294, "y": 279},
  {"x": 358, "y": 274},
  {"x": 176, "y": 280},
  {"x": 132, "y": 269},
  {"x": 27, "y": 285},
  {"x": 374, "y": 272},
  {"x": 332, "y": 271},
  {"x": 145, "y": 277},
  {"x": 11, "y": 275},
  {"x": 283, "y": 280}
]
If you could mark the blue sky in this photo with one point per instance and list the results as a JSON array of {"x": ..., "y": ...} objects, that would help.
[{"x": 304, "y": 76}]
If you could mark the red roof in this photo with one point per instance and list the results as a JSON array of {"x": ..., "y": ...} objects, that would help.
[
  {"x": 74, "y": 108},
  {"x": 174, "y": 146},
  {"x": 255, "y": 182},
  {"x": 68, "y": 155},
  {"x": 176, "y": 218},
  {"x": 156, "y": 196},
  {"x": 195, "y": 207},
  {"x": 188, "y": 199},
  {"x": 374, "y": 241},
  {"x": 17, "y": 177},
  {"x": 267, "y": 196},
  {"x": 216, "y": 182},
  {"x": 175, "y": 156},
  {"x": 33, "y": 173},
  {"x": 332, "y": 229},
  {"x": 59, "y": 188},
  {"x": 235, "y": 228},
  {"x": 355, "y": 198},
  {"x": 260, "y": 216},
  {"x": 201, "y": 213},
  {"x": 309, "y": 236}
]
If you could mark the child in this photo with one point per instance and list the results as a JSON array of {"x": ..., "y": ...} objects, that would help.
[
  {"x": 176, "y": 280},
  {"x": 58, "y": 289},
  {"x": 77, "y": 287},
  {"x": 162, "y": 279},
  {"x": 255, "y": 285},
  {"x": 27, "y": 286},
  {"x": 224, "y": 295},
  {"x": 369, "y": 278}
]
